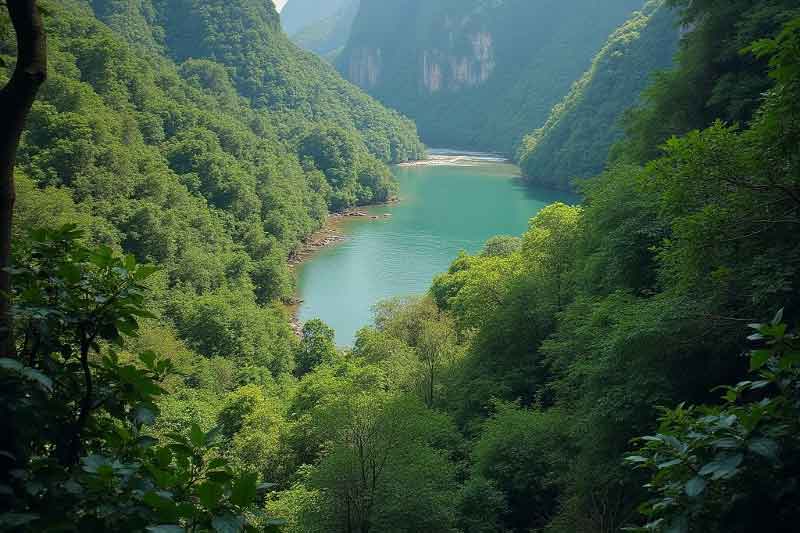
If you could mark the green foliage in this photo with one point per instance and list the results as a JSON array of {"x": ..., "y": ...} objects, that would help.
[
  {"x": 575, "y": 140},
  {"x": 324, "y": 36},
  {"x": 78, "y": 454},
  {"x": 316, "y": 347},
  {"x": 713, "y": 78},
  {"x": 230, "y": 324},
  {"x": 715, "y": 467},
  {"x": 523, "y": 454}
]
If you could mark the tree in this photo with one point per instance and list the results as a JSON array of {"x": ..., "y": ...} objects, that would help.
[
  {"x": 316, "y": 347},
  {"x": 16, "y": 99}
]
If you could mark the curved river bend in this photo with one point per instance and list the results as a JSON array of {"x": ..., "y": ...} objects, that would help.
[{"x": 453, "y": 202}]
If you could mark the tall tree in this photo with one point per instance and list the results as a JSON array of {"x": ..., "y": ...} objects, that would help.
[{"x": 16, "y": 99}]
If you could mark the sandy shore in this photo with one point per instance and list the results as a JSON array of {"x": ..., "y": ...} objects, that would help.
[{"x": 455, "y": 158}]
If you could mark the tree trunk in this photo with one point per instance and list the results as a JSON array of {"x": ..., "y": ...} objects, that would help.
[{"x": 16, "y": 99}]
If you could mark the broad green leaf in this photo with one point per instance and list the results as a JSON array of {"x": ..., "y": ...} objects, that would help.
[
  {"x": 244, "y": 490},
  {"x": 162, "y": 504},
  {"x": 197, "y": 436},
  {"x": 227, "y": 523},
  {"x": 210, "y": 494},
  {"x": 723, "y": 467},
  {"x": 695, "y": 486},
  {"x": 764, "y": 447},
  {"x": 759, "y": 358}
]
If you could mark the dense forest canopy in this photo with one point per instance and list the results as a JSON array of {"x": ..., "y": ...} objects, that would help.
[{"x": 566, "y": 380}]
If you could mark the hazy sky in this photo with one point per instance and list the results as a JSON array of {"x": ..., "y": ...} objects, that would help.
[{"x": 279, "y": 4}]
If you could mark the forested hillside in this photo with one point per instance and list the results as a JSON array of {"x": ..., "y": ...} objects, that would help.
[
  {"x": 328, "y": 36},
  {"x": 631, "y": 363},
  {"x": 266, "y": 68},
  {"x": 477, "y": 74},
  {"x": 300, "y": 14},
  {"x": 576, "y": 139}
]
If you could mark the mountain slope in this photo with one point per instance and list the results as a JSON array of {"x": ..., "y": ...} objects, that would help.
[
  {"x": 327, "y": 37},
  {"x": 299, "y": 14},
  {"x": 477, "y": 73},
  {"x": 266, "y": 68},
  {"x": 575, "y": 141}
]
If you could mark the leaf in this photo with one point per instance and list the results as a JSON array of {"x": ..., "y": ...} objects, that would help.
[
  {"x": 668, "y": 464},
  {"x": 8, "y": 455},
  {"x": 244, "y": 490},
  {"x": 30, "y": 374},
  {"x": 164, "y": 506},
  {"x": 93, "y": 463},
  {"x": 778, "y": 317},
  {"x": 695, "y": 487},
  {"x": 144, "y": 272},
  {"x": 15, "y": 520},
  {"x": 197, "y": 436},
  {"x": 758, "y": 358},
  {"x": 166, "y": 529},
  {"x": 724, "y": 466},
  {"x": 210, "y": 494},
  {"x": 766, "y": 448},
  {"x": 11, "y": 364},
  {"x": 148, "y": 358},
  {"x": 227, "y": 523},
  {"x": 146, "y": 441}
]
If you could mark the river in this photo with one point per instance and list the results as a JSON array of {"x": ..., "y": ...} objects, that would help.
[{"x": 455, "y": 201}]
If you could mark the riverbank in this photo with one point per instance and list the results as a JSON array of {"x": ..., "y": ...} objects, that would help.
[
  {"x": 330, "y": 234},
  {"x": 454, "y": 158}
]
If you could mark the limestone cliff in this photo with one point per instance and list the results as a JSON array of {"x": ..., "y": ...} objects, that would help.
[{"x": 477, "y": 73}]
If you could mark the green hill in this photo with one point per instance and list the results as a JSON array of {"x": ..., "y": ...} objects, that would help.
[
  {"x": 299, "y": 14},
  {"x": 575, "y": 141},
  {"x": 327, "y": 37}
]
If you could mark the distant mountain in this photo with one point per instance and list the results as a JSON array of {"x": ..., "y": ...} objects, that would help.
[
  {"x": 328, "y": 36},
  {"x": 477, "y": 73},
  {"x": 300, "y": 14},
  {"x": 575, "y": 141}
]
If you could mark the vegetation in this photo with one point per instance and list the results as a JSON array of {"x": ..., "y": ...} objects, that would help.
[
  {"x": 575, "y": 140},
  {"x": 457, "y": 67},
  {"x": 328, "y": 36},
  {"x": 561, "y": 381},
  {"x": 300, "y": 14}
]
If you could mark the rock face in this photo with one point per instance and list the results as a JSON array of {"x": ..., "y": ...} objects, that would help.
[
  {"x": 477, "y": 74},
  {"x": 364, "y": 69},
  {"x": 450, "y": 70}
]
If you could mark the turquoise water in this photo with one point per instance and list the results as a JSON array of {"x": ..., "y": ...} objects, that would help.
[{"x": 446, "y": 207}]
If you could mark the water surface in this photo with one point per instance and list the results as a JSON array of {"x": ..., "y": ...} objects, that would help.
[{"x": 455, "y": 202}]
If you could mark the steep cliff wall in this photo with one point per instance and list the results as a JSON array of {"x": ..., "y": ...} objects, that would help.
[{"x": 477, "y": 73}]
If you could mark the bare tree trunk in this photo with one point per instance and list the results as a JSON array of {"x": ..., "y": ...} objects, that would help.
[{"x": 16, "y": 99}]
